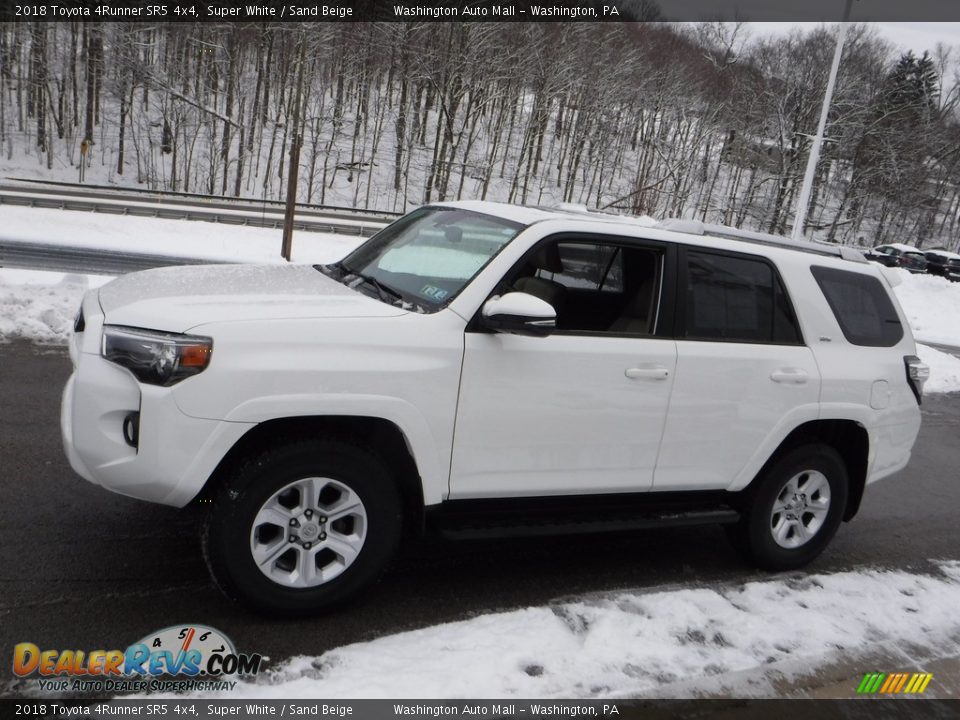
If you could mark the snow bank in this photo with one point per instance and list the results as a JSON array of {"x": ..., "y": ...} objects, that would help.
[
  {"x": 178, "y": 238},
  {"x": 944, "y": 370},
  {"x": 635, "y": 643},
  {"x": 932, "y": 306},
  {"x": 40, "y": 306}
]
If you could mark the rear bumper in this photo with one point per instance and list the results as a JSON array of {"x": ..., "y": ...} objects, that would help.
[{"x": 175, "y": 453}]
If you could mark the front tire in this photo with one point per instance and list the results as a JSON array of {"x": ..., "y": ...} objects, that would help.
[
  {"x": 795, "y": 509},
  {"x": 303, "y": 527}
]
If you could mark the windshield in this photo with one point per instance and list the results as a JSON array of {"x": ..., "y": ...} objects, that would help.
[{"x": 427, "y": 257}]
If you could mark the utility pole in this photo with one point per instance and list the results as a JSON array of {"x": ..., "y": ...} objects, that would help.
[
  {"x": 286, "y": 246},
  {"x": 803, "y": 204}
]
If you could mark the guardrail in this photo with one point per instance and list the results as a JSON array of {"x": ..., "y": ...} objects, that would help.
[
  {"x": 245, "y": 213},
  {"x": 176, "y": 196}
]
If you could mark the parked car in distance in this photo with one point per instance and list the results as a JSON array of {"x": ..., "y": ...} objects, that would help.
[
  {"x": 898, "y": 255},
  {"x": 482, "y": 370},
  {"x": 943, "y": 262}
]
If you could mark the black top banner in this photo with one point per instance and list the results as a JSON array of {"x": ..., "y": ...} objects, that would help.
[{"x": 291, "y": 11}]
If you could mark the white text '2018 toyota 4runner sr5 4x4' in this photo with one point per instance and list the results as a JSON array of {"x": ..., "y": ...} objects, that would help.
[{"x": 479, "y": 369}]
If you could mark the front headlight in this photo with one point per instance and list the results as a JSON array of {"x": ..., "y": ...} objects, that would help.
[{"x": 157, "y": 358}]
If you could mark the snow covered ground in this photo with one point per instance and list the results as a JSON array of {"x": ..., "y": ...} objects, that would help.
[
  {"x": 40, "y": 306},
  {"x": 732, "y": 640},
  {"x": 178, "y": 238},
  {"x": 675, "y": 642},
  {"x": 932, "y": 305}
]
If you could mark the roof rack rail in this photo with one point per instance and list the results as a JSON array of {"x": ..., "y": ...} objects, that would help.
[
  {"x": 695, "y": 227},
  {"x": 584, "y": 211}
]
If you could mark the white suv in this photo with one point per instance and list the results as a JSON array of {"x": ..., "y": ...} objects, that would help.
[{"x": 480, "y": 369}]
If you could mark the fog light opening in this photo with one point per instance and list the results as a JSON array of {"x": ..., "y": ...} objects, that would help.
[{"x": 131, "y": 429}]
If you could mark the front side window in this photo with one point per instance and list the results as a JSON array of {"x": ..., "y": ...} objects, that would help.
[
  {"x": 595, "y": 287},
  {"x": 589, "y": 266},
  {"x": 427, "y": 257},
  {"x": 861, "y": 305},
  {"x": 736, "y": 299}
]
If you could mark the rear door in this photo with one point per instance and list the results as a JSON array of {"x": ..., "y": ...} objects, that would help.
[{"x": 742, "y": 366}]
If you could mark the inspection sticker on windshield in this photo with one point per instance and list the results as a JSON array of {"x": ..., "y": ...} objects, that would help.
[{"x": 434, "y": 292}]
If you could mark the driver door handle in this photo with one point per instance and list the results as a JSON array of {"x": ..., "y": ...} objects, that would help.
[{"x": 654, "y": 372}]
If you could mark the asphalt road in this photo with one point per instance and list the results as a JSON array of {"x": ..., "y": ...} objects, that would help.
[
  {"x": 57, "y": 258},
  {"x": 83, "y": 568}
]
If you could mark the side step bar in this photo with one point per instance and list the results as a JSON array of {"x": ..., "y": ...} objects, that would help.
[{"x": 458, "y": 521}]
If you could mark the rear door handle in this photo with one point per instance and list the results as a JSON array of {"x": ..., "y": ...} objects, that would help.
[
  {"x": 655, "y": 372},
  {"x": 789, "y": 376}
]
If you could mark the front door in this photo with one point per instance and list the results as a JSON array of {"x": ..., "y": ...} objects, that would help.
[{"x": 581, "y": 411}]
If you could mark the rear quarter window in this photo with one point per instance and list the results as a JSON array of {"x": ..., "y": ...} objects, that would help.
[{"x": 861, "y": 305}]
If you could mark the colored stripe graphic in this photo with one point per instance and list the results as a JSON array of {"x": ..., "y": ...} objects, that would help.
[
  {"x": 894, "y": 683},
  {"x": 901, "y": 682},
  {"x": 885, "y": 679},
  {"x": 914, "y": 682},
  {"x": 876, "y": 682}
]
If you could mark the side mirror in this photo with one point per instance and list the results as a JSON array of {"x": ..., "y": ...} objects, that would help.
[{"x": 519, "y": 313}]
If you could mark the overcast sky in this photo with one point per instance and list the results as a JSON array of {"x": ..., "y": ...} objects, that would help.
[{"x": 916, "y": 36}]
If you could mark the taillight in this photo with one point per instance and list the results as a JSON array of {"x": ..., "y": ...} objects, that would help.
[{"x": 917, "y": 374}]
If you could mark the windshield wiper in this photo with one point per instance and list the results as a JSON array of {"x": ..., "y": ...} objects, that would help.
[
  {"x": 386, "y": 293},
  {"x": 340, "y": 272}
]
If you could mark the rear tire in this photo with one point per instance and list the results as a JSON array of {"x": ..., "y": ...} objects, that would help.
[
  {"x": 794, "y": 510},
  {"x": 302, "y": 527}
]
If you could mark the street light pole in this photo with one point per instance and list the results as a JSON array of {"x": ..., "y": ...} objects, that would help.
[{"x": 803, "y": 204}]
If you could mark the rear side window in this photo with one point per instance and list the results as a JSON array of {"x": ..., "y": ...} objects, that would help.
[
  {"x": 737, "y": 299},
  {"x": 861, "y": 305}
]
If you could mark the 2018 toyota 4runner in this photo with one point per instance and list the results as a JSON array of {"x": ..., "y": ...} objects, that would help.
[{"x": 478, "y": 369}]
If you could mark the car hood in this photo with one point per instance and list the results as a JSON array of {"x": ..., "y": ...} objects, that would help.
[{"x": 176, "y": 299}]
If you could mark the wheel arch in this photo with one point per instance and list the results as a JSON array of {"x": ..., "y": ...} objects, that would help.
[
  {"x": 384, "y": 435},
  {"x": 848, "y": 438}
]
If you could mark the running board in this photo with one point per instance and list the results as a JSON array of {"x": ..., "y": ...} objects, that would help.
[{"x": 462, "y": 524}]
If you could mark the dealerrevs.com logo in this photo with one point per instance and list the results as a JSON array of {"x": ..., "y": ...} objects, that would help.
[{"x": 178, "y": 658}]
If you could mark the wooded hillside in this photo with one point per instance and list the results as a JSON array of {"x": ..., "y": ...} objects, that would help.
[{"x": 693, "y": 121}]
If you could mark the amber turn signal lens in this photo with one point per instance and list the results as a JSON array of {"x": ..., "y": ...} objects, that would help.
[{"x": 194, "y": 356}]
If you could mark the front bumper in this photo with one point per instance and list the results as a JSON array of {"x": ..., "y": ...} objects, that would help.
[{"x": 175, "y": 453}]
